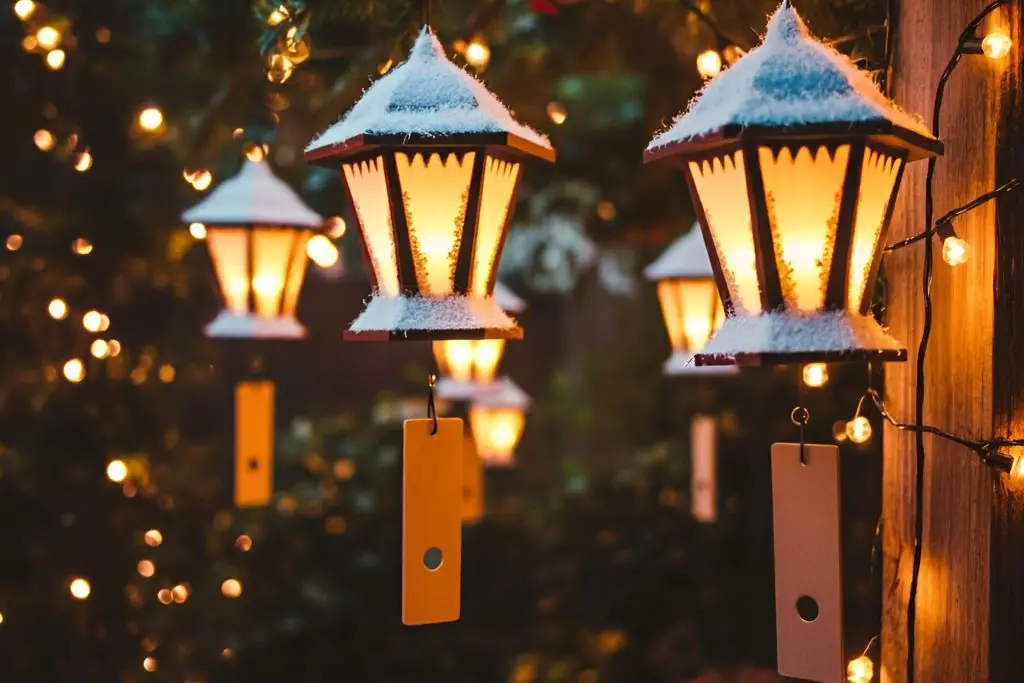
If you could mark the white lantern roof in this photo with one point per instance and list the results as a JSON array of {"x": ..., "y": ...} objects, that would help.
[
  {"x": 426, "y": 97},
  {"x": 507, "y": 300},
  {"x": 685, "y": 258},
  {"x": 255, "y": 196},
  {"x": 502, "y": 393},
  {"x": 792, "y": 80}
]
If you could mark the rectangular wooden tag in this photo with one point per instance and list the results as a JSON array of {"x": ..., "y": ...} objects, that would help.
[
  {"x": 432, "y": 521},
  {"x": 808, "y": 562},
  {"x": 472, "y": 482},
  {"x": 703, "y": 466},
  {"x": 254, "y": 443}
]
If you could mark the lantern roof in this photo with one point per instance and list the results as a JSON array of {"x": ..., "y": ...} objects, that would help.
[
  {"x": 427, "y": 100},
  {"x": 687, "y": 257},
  {"x": 255, "y": 196},
  {"x": 418, "y": 317},
  {"x": 502, "y": 393},
  {"x": 792, "y": 83},
  {"x": 507, "y": 300}
]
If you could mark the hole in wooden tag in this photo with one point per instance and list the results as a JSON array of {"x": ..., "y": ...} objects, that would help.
[
  {"x": 432, "y": 558},
  {"x": 807, "y": 608}
]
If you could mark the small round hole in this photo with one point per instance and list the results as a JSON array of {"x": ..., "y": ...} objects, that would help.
[
  {"x": 807, "y": 608},
  {"x": 432, "y": 558},
  {"x": 254, "y": 464}
]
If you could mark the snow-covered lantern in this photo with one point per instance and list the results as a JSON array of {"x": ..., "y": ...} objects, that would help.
[
  {"x": 432, "y": 161},
  {"x": 689, "y": 300},
  {"x": 466, "y": 363},
  {"x": 256, "y": 230},
  {"x": 497, "y": 417},
  {"x": 794, "y": 158}
]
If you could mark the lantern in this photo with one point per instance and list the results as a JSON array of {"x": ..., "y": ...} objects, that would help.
[
  {"x": 794, "y": 158},
  {"x": 497, "y": 416},
  {"x": 256, "y": 229},
  {"x": 432, "y": 161},
  {"x": 466, "y": 363},
  {"x": 689, "y": 302}
]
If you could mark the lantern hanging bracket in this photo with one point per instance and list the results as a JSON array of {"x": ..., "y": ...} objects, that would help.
[
  {"x": 801, "y": 417},
  {"x": 431, "y": 408}
]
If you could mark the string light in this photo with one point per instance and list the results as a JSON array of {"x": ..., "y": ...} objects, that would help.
[
  {"x": 146, "y": 568},
  {"x": 839, "y": 431},
  {"x": 80, "y": 589},
  {"x": 197, "y": 230},
  {"x": 860, "y": 670},
  {"x": 117, "y": 471},
  {"x": 200, "y": 179},
  {"x": 55, "y": 59},
  {"x": 231, "y": 588},
  {"x": 153, "y": 538},
  {"x": 48, "y": 37},
  {"x": 24, "y": 9},
  {"x": 557, "y": 113},
  {"x": 44, "y": 140},
  {"x": 244, "y": 543},
  {"x": 29, "y": 43},
  {"x": 180, "y": 593},
  {"x": 858, "y": 430},
  {"x": 279, "y": 68},
  {"x": 709, "y": 64},
  {"x": 99, "y": 349},
  {"x": 151, "y": 119},
  {"x": 164, "y": 596},
  {"x": 955, "y": 251},
  {"x": 277, "y": 16},
  {"x": 166, "y": 374},
  {"x": 84, "y": 162},
  {"x": 149, "y": 664},
  {"x": 92, "y": 321},
  {"x": 996, "y": 45},
  {"x": 1, "y": 617},
  {"x": 81, "y": 246},
  {"x": 294, "y": 48},
  {"x": 74, "y": 371},
  {"x": 478, "y": 55},
  {"x": 335, "y": 227},
  {"x": 322, "y": 251},
  {"x": 254, "y": 152},
  {"x": 14, "y": 242},
  {"x": 815, "y": 375},
  {"x": 57, "y": 308},
  {"x": 103, "y": 35}
]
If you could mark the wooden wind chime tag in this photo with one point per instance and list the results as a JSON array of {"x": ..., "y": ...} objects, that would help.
[
  {"x": 703, "y": 466},
  {"x": 808, "y": 563},
  {"x": 472, "y": 482},
  {"x": 254, "y": 443},
  {"x": 432, "y": 521}
]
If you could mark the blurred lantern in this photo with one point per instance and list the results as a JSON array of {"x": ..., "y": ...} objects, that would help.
[
  {"x": 256, "y": 229},
  {"x": 497, "y": 416},
  {"x": 689, "y": 301},
  {"x": 467, "y": 363},
  {"x": 431, "y": 160},
  {"x": 794, "y": 159}
]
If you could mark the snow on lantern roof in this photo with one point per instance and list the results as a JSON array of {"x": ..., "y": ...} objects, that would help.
[
  {"x": 687, "y": 257},
  {"x": 502, "y": 393},
  {"x": 507, "y": 300},
  {"x": 390, "y": 317},
  {"x": 427, "y": 96},
  {"x": 790, "y": 79},
  {"x": 254, "y": 196}
]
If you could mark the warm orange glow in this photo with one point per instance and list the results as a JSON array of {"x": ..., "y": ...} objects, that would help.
[
  {"x": 278, "y": 262},
  {"x": 860, "y": 670},
  {"x": 24, "y": 9},
  {"x": 151, "y": 120},
  {"x": 496, "y": 432},
  {"x": 478, "y": 55},
  {"x": 153, "y": 538},
  {"x": 117, "y": 471},
  {"x": 858, "y": 430},
  {"x": 145, "y": 568},
  {"x": 74, "y": 371},
  {"x": 48, "y": 37},
  {"x": 84, "y": 162},
  {"x": 229, "y": 251},
  {"x": 728, "y": 216},
  {"x": 44, "y": 140},
  {"x": 709, "y": 63},
  {"x": 270, "y": 259},
  {"x": 58, "y": 309},
  {"x": 469, "y": 360},
  {"x": 955, "y": 251},
  {"x": 231, "y": 588},
  {"x": 435, "y": 190},
  {"x": 996, "y": 45},
  {"x": 692, "y": 310},
  {"x": 803, "y": 193},
  {"x": 368, "y": 187},
  {"x": 878, "y": 180},
  {"x": 322, "y": 251},
  {"x": 197, "y": 230},
  {"x": 499, "y": 184},
  {"x": 815, "y": 375},
  {"x": 55, "y": 59},
  {"x": 80, "y": 589}
]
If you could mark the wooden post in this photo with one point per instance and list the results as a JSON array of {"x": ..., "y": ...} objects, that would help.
[{"x": 970, "y": 603}]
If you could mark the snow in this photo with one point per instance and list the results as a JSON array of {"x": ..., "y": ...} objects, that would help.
[
  {"x": 254, "y": 196},
  {"x": 426, "y": 95},
  {"x": 418, "y": 313},
  {"x": 796, "y": 333},
  {"x": 502, "y": 393},
  {"x": 456, "y": 390},
  {"x": 790, "y": 79},
  {"x": 229, "y": 325},
  {"x": 507, "y": 300},
  {"x": 680, "y": 363},
  {"x": 687, "y": 257}
]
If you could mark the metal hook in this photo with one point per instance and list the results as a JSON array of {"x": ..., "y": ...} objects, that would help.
[
  {"x": 431, "y": 409},
  {"x": 801, "y": 417}
]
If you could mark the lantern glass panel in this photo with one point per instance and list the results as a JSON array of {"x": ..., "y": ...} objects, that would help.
[
  {"x": 229, "y": 251},
  {"x": 728, "y": 219},
  {"x": 272, "y": 251},
  {"x": 499, "y": 184},
  {"x": 435, "y": 189},
  {"x": 803, "y": 194},
  {"x": 296, "y": 273},
  {"x": 368, "y": 186},
  {"x": 692, "y": 311},
  {"x": 497, "y": 432},
  {"x": 469, "y": 360},
  {"x": 877, "y": 184}
]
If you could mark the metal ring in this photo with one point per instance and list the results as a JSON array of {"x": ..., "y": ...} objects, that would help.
[{"x": 800, "y": 416}]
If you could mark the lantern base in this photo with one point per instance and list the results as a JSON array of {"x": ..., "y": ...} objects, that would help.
[
  {"x": 781, "y": 338},
  {"x": 411, "y": 318},
  {"x": 456, "y": 390},
  {"x": 681, "y": 364},
  {"x": 229, "y": 325},
  {"x": 498, "y": 461}
]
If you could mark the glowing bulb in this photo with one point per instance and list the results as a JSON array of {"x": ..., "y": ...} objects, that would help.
[
  {"x": 200, "y": 180},
  {"x": 149, "y": 664},
  {"x": 24, "y": 9},
  {"x": 145, "y": 568},
  {"x": 166, "y": 374},
  {"x": 860, "y": 670},
  {"x": 115, "y": 347},
  {"x": 74, "y": 371},
  {"x": 84, "y": 162},
  {"x": 153, "y": 538},
  {"x": 57, "y": 309},
  {"x": 321, "y": 251},
  {"x": 99, "y": 349},
  {"x": 117, "y": 471},
  {"x": 14, "y": 242},
  {"x": 557, "y": 113},
  {"x": 92, "y": 321},
  {"x": 815, "y": 375},
  {"x": 709, "y": 63},
  {"x": 279, "y": 68},
  {"x": 955, "y": 251},
  {"x": 55, "y": 59},
  {"x": 44, "y": 140},
  {"x": 277, "y": 16},
  {"x": 996, "y": 45},
  {"x": 256, "y": 152},
  {"x": 180, "y": 593},
  {"x": 335, "y": 227},
  {"x": 164, "y": 596},
  {"x": 244, "y": 543},
  {"x": 478, "y": 54},
  {"x": 48, "y": 37},
  {"x": 81, "y": 246},
  {"x": 858, "y": 430},
  {"x": 197, "y": 230},
  {"x": 231, "y": 588},
  {"x": 80, "y": 589},
  {"x": 151, "y": 119}
]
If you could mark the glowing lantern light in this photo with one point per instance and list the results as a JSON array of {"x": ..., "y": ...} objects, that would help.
[
  {"x": 996, "y": 45},
  {"x": 256, "y": 229},
  {"x": 151, "y": 120},
  {"x": 860, "y": 670},
  {"x": 814, "y": 153},
  {"x": 709, "y": 63},
  {"x": 117, "y": 471},
  {"x": 24, "y": 9},
  {"x": 467, "y": 363},
  {"x": 478, "y": 55},
  {"x": 497, "y": 416},
  {"x": 55, "y": 59},
  {"x": 48, "y": 37},
  {"x": 80, "y": 589},
  {"x": 689, "y": 301},
  {"x": 815, "y": 375},
  {"x": 58, "y": 309},
  {"x": 432, "y": 161}
]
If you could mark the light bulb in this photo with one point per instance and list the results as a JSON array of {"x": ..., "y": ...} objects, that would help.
[
  {"x": 149, "y": 664},
  {"x": 14, "y": 242},
  {"x": 955, "y": 251},
  {"x": 48, "y": 37},
  {"x": 335, "y": 227},
  {"x": 92, "y": 321},
  {"x": 231, "y": 588},
  {"x": 279, "y": 68},
  {"x": 81, "y": 246},
  {"x": 321, "y": 251},
  {"x": 197, "y": 230},
  {"x": 153, "y": 538},
  {"x": 709, "y": 63},
  {"x": 815, "y": 375},
  {"x": 145, "y": 568},
  {"x": 860, "y": 670},
  {"x": 44, "y": 140},
  {"x": 858, "y": 430},
  {"x": 55, "y": 59},
  {"x": 84, "y": 162},
  {"x": 257, "y": 153},
  {"x": 80, "y": 589},
  {"x": 478, "y": 55},
  {"x": 99, "y": 348},
  {"x": 24, "y": 9},
  {"x": 199, "y": 180},
  {"x": 117, "y": 471},
  {"x": 151, "y": 119},
  {"x": 557, "y": 113},
  {"x": 276, "y": 16},
  {"x": 58, "y": 309},
  {"x": 996, "y": 45},
  {"x": 74, "y": 371}
]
